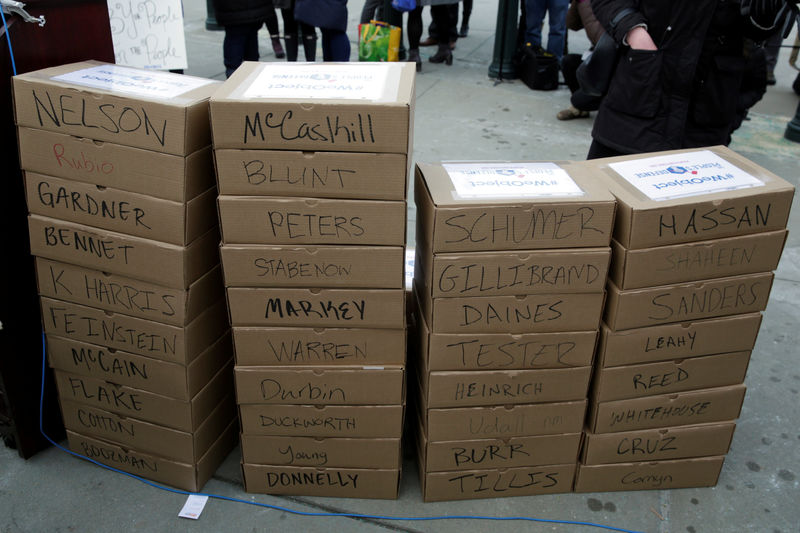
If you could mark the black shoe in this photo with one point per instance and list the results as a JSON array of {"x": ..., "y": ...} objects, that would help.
[
  {"x": 464, "y": 30},
  {"x": 413, "y": 55},
  {"x": 443, "y": 55}
]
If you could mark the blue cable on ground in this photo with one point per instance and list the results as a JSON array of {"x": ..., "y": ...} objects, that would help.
[{"x": 305, "y": 513}]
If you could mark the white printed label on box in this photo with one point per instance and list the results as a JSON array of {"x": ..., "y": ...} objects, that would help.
[
  {"x": 493, "y": 180},
  {"x": 679, "y": 175},
  {"x": 134, "y": 81},
  {"x": 148, "y": 34},
  {"x": 325, "y": 81}
]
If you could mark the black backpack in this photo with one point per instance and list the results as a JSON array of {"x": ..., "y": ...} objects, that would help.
[{"x": 538, "y": 69}]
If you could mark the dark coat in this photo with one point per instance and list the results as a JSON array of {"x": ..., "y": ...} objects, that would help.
[
  {"x": 327, "y": 14},
  {"x": 686, "y": 93},
  {"x": 235, "y": 12}
]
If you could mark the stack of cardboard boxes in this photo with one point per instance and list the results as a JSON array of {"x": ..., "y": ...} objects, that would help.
[
  {"x": 510, "y": 275},
  {"x": 312, "y": 163},
  {"x": 120, "y": 189},
  {"x": 696, "y": 237}
]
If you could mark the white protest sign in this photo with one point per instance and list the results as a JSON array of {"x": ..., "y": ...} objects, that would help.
[
  {"x": 320, "y": 80},
  {"x": 510, "y": 180},
  {"x": 679, "y": 175},
  {"x": 134, "y": 81},
  {"x": 148, "y": 33}
]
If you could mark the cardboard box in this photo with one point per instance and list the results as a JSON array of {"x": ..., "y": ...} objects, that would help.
[
  {"x": 636, "y": 381},
  {"x": 504, "y": 387},
  {"x": 128, "y": 296},
  {"x": 658, "y": 475},
  {"x": 293, "y": 221},
  {"x": 469, "y": 423},
  {"x": 360, "y": 107},
  {"x": 126, "y": 212},
  {"x": 450, "y": 222},
  {"x": 158, "y": 262},
  {"x": 320, "y": 385},
  {"x": 536, "y": 313},
  {"x": 497, "y": 483},
  {"x": 314, "y": 346},
  {"x": 142, "y": 405},
  {"x": 364, "y": 267},
  {"x": 187, "y": 476},
  {"x": 181, "y": 446},
  {"x": 173, "y": 380},
  {"x": 512, "y": 273},
  {"x": 316, "y": 452},
  {"x": 719, "y": 404},
  {"x": 676, "y": 341},
  {"x": 135, "y": 335},
  {"x": 336, "y": 482},
  {"x": 503, "y": 351},
  {"x": 685, "y": 212},
  {"x": 165, "y": 176},
  {"x": 341, "y": 421},
  {"x": 358, "y": 308},
  {"x": 730, "y": 256},
  {"x": 312, "y": 174},
  {"x": 160, "y": 111},
  {"x": 515, "y": 452},
  {"x": 658, "y": 444},
  {"x": 683, "y": 302}
]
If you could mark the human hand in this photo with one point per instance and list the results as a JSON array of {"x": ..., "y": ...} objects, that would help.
[{"x": 639, "y": 39}]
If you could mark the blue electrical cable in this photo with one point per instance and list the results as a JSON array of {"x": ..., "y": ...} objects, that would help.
[{"x": 8, "y": 39}]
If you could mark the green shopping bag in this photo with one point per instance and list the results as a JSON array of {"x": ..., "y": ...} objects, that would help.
[{"x": 378, "y": 41}]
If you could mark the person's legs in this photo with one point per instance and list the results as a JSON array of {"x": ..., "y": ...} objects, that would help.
[
  {"x": 534, "y": 16},
  {"x": 441, "y": 15},
  {"x": 309, "y": 36},
  {"x": 274, "y": 34},
  {"x": 414, "y": 29},
  {"x": 290, "y": 35},
  {"x": 557, "y": 21},
  {"x": 598, "y": 150},
  {"x": 240, "y": 44},
  {"x": 466, "y": 11},
  {"x": 371, "y": 10},
  {"x": 335, "y": 45}
]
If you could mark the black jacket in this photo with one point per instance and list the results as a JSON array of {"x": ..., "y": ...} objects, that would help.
[
  {"x": 234, "y": 12},
  {"x": 686, "y": 93}
]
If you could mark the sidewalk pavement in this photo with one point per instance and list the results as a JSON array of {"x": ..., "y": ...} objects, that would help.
[{"x": 462, "y": 114}]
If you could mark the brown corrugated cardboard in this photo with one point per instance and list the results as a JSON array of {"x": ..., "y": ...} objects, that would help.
[
  {"x": 166, "y": 176},
  {"x": 173, "y": 380},
  {"x": 450, "y": 223},
  {"x": 135, "y": 335},
  {"x": 468, "y": 423},
  {"x": 658, "y": 475},
  {"x": 513, "y": 452},
  {"x": 359, "y": 308},
  {"x": 674, "y": 341},
  {"x": 136, "y": 403},
  {"x": 321, "y": 452},
  {"x": 186, "y": 447},
  {"x": 362, "y": 107},
  {"x": 362, "y": 421},
  {"x": 643, "y": 223},
  {"x": 504, "y": 387},
  {"x": 537, "y": 313},
  {"x": 175, "y": 123},
  {"x": 369, "y": 385},
  {"x": 128, "y": 296},
  {"x": 731, "y": 256},
  {"x": 658, "y": 444},
  {"x": 313, "y": 174},
  {"x": 719, "y": 404},
  {"x": 497, "y": 483},
  {"x": 512, "y": 273},
  {"x": 635, "y": 308},
  {"x": 313, "y": 346},
  {"x": 116, "y": 210},
  {"x": 365, "y": 267},
  {"x": 165, "y": 264},
  {"x": 293, "y": 221},
  {"x": 186, "y": 476},
  {"x": 503, "y": 351},
  {"x": 636, "y": 381},
  {"x": 335, "y": 482}
]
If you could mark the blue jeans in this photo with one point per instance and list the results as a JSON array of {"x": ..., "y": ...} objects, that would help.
[
  {"x": 534, "y": 17},
  {"x": 240, "y": 44},
  {"x": 335, "y": 45}
]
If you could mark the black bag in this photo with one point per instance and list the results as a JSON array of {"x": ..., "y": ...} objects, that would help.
[
  {"x": 595, "y": 72},
  {"x": 538, "y": 69}
]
